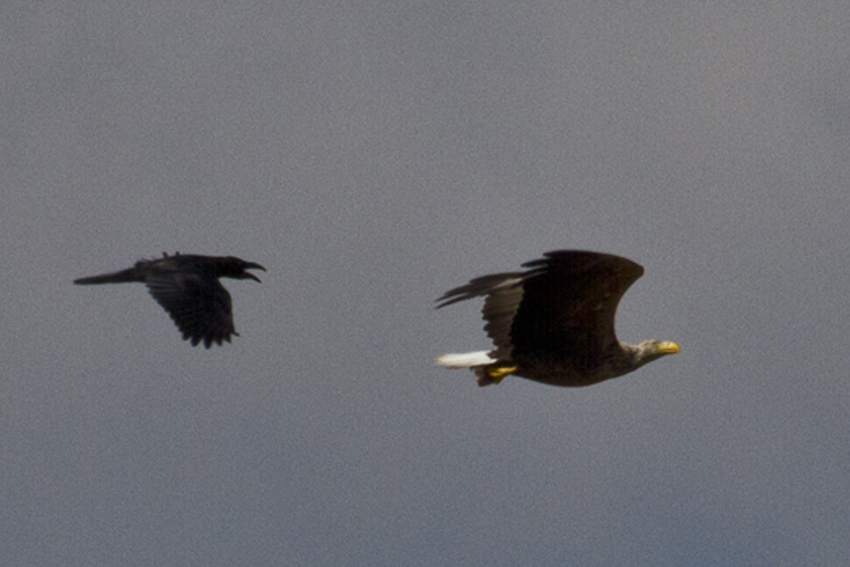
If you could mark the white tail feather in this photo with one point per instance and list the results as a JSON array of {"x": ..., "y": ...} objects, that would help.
[{"x": 465, "y": 360}]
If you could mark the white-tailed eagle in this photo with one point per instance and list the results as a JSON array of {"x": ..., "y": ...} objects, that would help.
[{"x": 554, "y": 322}]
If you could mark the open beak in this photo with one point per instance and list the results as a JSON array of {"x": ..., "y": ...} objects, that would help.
[{"x": 253, "y": 266}]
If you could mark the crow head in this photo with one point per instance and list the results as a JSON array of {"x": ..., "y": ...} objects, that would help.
[{"x": 235, "y": 268}]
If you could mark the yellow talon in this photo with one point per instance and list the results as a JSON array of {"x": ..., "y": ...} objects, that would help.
[{"x": 498, "y": 373}]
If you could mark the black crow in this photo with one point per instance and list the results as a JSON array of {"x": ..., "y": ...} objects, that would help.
[{"x": 187, "y": 286}]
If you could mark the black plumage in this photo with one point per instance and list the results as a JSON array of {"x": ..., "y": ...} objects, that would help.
[
  {"x": 554, "y": 322},
  {"x": 187, "y": 287}
]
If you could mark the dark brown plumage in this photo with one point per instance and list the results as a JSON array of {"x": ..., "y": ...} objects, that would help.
[
  {"x": 187, "y": 287},
  {"x": 554, "y": 322}
]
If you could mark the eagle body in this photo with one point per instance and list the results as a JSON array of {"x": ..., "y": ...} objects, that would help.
[{"x": 554, "y": 322}]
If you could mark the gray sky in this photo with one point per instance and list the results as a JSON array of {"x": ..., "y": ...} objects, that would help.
[{"x": 373, "y": 155}]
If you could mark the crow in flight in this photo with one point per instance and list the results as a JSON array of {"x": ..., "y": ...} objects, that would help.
[{"x": 187, "y": 287}]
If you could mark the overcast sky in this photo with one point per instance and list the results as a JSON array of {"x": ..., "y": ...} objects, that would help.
[{"x": 372, "y": 155}]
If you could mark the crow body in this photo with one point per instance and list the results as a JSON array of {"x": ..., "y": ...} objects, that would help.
[{"x": 187, "y": 287}]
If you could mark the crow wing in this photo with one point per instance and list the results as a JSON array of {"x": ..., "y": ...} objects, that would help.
[{"x": 198, "y": 304}]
